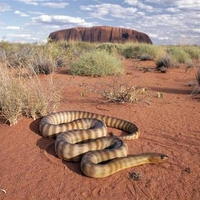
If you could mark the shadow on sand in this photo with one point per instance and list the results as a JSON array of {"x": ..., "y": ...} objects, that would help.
[{"x": 48, "y": 145}]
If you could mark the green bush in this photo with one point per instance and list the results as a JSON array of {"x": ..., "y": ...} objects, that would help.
[{"x": 96, "y": 63}]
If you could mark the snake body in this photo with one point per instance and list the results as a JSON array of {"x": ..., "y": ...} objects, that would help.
[{"x": 81, "y": 136}]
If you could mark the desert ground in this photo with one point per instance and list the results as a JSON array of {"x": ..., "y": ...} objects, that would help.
[{"x": 30, "y": 169}]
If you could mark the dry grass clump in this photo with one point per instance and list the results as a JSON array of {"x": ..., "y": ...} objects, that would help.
[
  {"x": 193, "y": 51},
  {"x": 111, "y": 48},
  {"x": 16, "y": 54},
  {"x": 141, "y": 51},
  {"x": 96, "y": 63},
  {"x": 12, "y": 94},
  {"x": 42, "y": 58},
  {"x": 174, "y": 55},
  {"x": 125, "y": 94},
  {"x": 67, "y": 52},
  {"x": 120, "y": 91},
  {"x": 25, "y": 95},
  {"x": 42, "y": 62},
  {"x": 165, "y": 61},
  {"x": 178, "y": 54},
  {"x": 41, "y": 98}
]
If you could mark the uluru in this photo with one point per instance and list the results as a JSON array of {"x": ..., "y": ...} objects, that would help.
[{"x": 100, "y": 34}]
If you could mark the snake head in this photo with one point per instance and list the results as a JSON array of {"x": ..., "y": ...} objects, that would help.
[{"x": 157, "y": 157}]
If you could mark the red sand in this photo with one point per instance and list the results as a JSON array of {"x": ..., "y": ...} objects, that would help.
[{"x": 29, "y": 168}]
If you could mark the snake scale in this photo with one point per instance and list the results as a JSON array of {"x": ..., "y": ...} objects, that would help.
[{"x": 81, "y": 136}]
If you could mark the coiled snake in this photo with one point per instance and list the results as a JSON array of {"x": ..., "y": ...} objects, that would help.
[{"x": 81, "y": 136}]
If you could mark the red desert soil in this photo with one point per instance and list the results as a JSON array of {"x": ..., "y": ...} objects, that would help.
[{"x": 29, "y": 168}]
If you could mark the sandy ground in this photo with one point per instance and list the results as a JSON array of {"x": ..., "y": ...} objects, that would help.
[{"x": 29, "y": 168}]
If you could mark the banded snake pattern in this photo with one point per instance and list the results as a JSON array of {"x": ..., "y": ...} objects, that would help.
[{"x": 82, "y": 136}]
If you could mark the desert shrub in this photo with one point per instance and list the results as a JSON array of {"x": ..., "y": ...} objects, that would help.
[
  {"x": 85, "y": 46},
  {"x": 42, "y": 62},
  {"x": 131, "y": 51},
  {"x": 166, "y": 61},
  {"x": 124, "y": 94},
  {"x": 178, "y": 54},
  {"x": 41, "y": 98},
  {"x": 74, "y": 50},
  {"x": 111, "y": 48},
  {"x": 193, "y": 51},
  {"x": 120, "y": 91},
  {"x": 141, "y": 51},
  {"x": 96, "y": 63},
  {"x": 41, "y": 58},
  {"x": 59, "y": 52},
  {"x": 27, "y": 96},
  {"x": 16, "y": 54},
  {"x": 189, "y": 63},
  {"x": 11, "y": 96}
]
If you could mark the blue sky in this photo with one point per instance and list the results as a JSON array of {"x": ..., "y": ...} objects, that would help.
[{"x": 165, "y": 21}]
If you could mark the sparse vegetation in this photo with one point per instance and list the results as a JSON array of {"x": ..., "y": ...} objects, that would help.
[{"x": 23, "y": 93}]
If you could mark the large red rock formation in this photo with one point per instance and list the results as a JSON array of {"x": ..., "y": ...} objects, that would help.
[{"x": 100, "y": 34}]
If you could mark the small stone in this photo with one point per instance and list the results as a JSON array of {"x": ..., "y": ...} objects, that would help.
[{"x": 191, "y": 83}]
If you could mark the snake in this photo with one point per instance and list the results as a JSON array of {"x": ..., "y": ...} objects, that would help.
[{"x": 81, "y": 136}]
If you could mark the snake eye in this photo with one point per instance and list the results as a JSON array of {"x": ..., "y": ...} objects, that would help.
[{"x": 163, "y": 157}]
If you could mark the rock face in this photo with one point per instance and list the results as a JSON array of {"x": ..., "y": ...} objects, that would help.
[{"x": 100, "y": 34}]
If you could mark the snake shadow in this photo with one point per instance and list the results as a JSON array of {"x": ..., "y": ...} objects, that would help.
[
  {"x": 34, "y": 126},
  {"x": 48, "y": 145}
]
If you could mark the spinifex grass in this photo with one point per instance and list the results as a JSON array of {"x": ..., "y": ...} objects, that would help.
[{"x": 96, "y": 63}]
